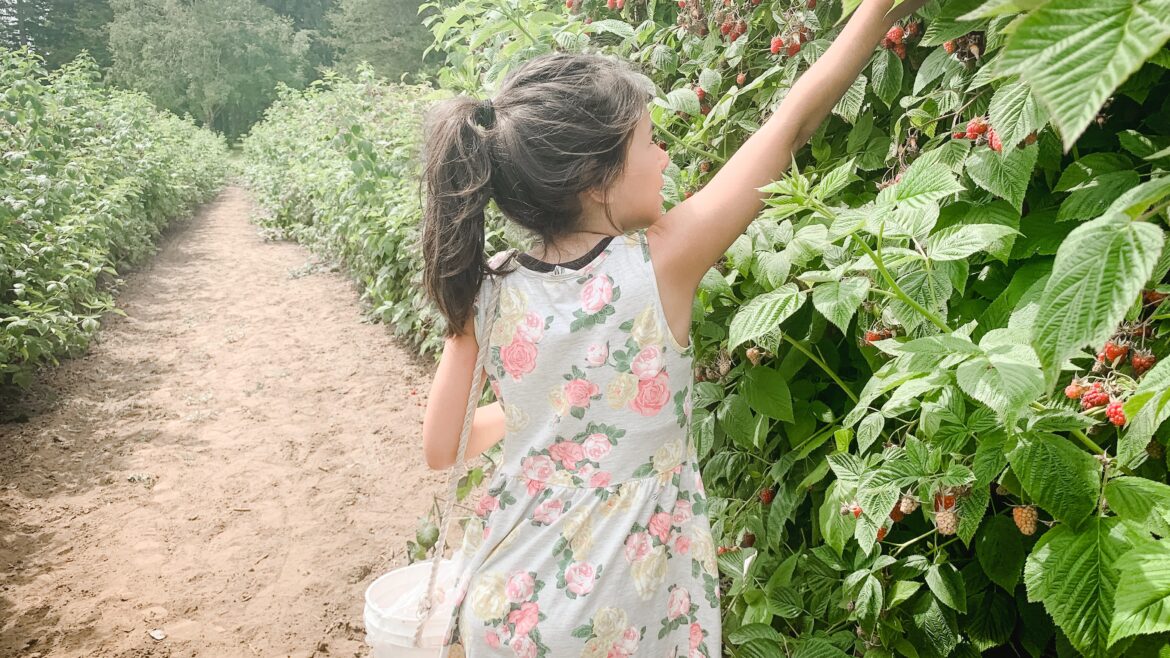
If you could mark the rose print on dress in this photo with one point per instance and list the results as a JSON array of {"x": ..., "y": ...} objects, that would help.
[
  {"x": 572, "y": 462},
  {"x": 609, "y": 635},
  {"x": 597, "y": 298},
  {"x": 641, "y": 382},
  {"x": 515, "y": 335},
  {"x": 507, "y": 604},
  {"x": 576, "y": 572}
]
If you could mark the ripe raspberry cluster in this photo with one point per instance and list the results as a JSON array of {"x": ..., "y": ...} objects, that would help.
[
  {"x": 898, "y": 35},
  {"x": 966, "y": 48},
  {"x": 878, "y": 333}
]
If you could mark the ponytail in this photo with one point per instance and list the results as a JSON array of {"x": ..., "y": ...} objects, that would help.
[{"x": 457, "y": 175}]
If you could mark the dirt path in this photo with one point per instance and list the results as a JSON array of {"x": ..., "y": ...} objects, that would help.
[{"x": 233, "y": 463}]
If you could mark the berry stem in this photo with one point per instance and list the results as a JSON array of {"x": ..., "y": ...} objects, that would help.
[
  {"x": 670, "y": 138},
  {"x": 820, "y": 362},
  {"x": 901, "y": 547},
  {"x": 877, "y": 260}
]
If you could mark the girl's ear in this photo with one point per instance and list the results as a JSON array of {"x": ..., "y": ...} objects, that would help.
[{"x": 595, "y": 196}]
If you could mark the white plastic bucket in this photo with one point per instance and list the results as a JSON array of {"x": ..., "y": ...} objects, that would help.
[{"x": 391, "y": 613}]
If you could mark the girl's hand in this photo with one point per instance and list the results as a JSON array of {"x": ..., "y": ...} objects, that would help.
[{"x": 696, "y": 233}]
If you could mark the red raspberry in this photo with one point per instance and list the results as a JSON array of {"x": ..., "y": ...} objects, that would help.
[
  {"x": 767, "y": 495},
  {"x": 740, "y": 79},
  {"x": 872, "y": 336},
  {"x": 1030, "y": 139},
  {"x": 1094, "y": 397},
  {"x": 900, "y": 50},
  {"x": 993, "y": 141},
  {"x": 913, "y": 29},
  {"x": 1074, "y": 391},
  {"x": 611, "y": 3},
  {"x": 856, "y": 509},
  {"x": 1115, "y": 351},
  {"x": 700, "y": 93},
  {"x": 793, "y": 48},
  {"x": 1152, "y": 296},
  {"x": 568, "y": 4},
  {"x": 944, "y": 501},
  {"x": 1115, "y": 413},
  {"x": 896, "y": 513},
  {"x": 1142, "y": 360},
  {"x": 620, "y": 4},
  {"x": 881, "y": 534},
  {"x": 749, "y": 540},
  {"x": 976, "y": 127},
  {"x": 894, "y": 36},
  {"x": 682, "y": 4},
  {"x": 949, "y": 46},
  {"x": 811, "y": 4},
  {"x": 755, "y": 3},
  {"x": 777, "y": 44},
  {"x": 958, "y": 135},
  {"x": 725, "y": 27}
]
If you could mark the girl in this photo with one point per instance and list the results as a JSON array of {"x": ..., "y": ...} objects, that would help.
[{"x": 592, "y": 538}]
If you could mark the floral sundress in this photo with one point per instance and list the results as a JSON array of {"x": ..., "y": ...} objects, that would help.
[{"x": 592, "y": 537}]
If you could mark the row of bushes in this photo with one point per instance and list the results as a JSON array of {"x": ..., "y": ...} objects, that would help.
[
  {"x": 336, "y": 167},
  {"x": 932, "y": 385},
  {"x": 90, "y": 176}
]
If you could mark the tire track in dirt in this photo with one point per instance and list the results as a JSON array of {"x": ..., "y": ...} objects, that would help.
[{"x": 233, "y": 462}]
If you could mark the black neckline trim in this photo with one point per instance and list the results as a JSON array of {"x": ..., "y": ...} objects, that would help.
[{"x": 533, "y": 263}]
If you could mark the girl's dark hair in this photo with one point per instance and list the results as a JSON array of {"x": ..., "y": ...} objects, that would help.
[{"x": 559, "y": 125}]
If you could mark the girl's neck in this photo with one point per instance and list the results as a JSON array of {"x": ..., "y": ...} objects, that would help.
[{"x": 569, "y": 247}]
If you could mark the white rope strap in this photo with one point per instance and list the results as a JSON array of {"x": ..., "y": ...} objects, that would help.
[{"x": 425, "y": 605}]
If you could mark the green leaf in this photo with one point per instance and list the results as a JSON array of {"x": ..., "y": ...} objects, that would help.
[
  {"x": 838, "y": 300},
  {"x": 682, "y": 100},
  {"x": 960, "y": 241},
  {"x": 923, "y": 183},
  {"x": 1005, "y": 377},
  {"x": 764, "y": 314},
  {"x": 1142, "y": 501},
  {"x": 1074, "y": 54},
  {"x": 1058, "y": 476},
  {"x": 1015, "y": 114},
  {"x": 992, "y": 618},
  {"x": 1142, "y": 599},
  {"x": 766, "y": 391},
  {"x": 947, "y": 584},
  {"x": 849, "y": 106},
  {"x": 1094, "y": 197},
  {"x": 1073, "y": 573},
  {"x": 886, "y": 76},
  {"x": 1005, "y": 175},
  {"x": 815, "y": 647},
  {"x": 1099, "y": 270},
  {"x": 1000, "y": 550}
]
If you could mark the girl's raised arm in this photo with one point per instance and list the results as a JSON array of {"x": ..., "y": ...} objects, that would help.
[{"x": 693, "y": 235}]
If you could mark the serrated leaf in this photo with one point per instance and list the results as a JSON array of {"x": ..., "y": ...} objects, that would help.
[
  {"x": 1092, "y": 198},
  {"x": 764, "y": 314},
  {"x": 886, "y": 76},
  {"x": 1058, "y": 476},
  {"x": 1074, "y": 54},
  {"x": 1073, "y": 573},
  {"x": 1006, "y": 378},
  {"x": 767, "y": 392},
  {"x": 1142, "y": 501},
  {"x": 1142, "y": 601},
  {"x": 1005, "y": 175},
  {"x": 683, "y": 100},
  {"x": 923, "y": 183},
  {"x": 1000, "y": 550},
  {"x": 1099, "y": 270},
  {"x": 838, "y": 300},
  {"x": 947, "y": 584},
  {"x": 960, "y": 241},
  {"x": 1015, "y": 114},
  {"x": 849, "y": 106}
]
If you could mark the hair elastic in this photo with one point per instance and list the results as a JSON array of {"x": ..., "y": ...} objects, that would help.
[{"x": 485, "y": 114}]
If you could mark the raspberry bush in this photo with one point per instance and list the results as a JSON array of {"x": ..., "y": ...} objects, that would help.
[
  {"x": 90, "y": 177},
  {"x": 930, "y": 393}
]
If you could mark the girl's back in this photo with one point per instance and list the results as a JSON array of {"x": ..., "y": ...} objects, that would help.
[{"x": 592, "y": 538}]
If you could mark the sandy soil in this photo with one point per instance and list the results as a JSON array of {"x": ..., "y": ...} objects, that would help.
[{"x": 233, "y": 463}]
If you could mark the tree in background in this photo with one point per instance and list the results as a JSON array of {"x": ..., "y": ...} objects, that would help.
[
  {"x": 388, "y": 34},
  {"x": 309, "y": 16},
  {"x": 58, "y": 30},
  {"x": 219, "y": 60}
]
